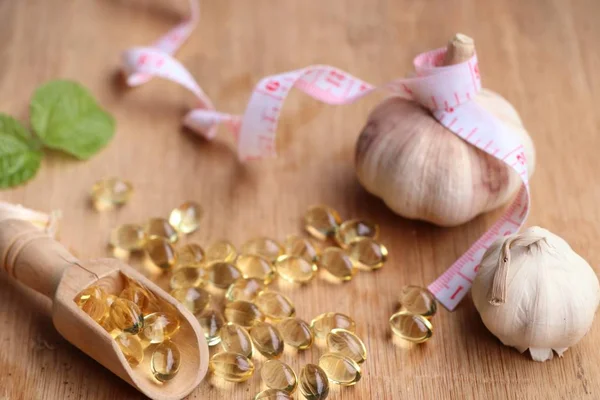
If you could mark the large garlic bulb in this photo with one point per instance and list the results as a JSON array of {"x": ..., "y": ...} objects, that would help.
[
  {"x": 423, "y": 171},
  {"x": 534, "y": 292}
]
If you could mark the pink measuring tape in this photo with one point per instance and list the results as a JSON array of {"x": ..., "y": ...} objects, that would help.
[{"x": 445, "y": 90}]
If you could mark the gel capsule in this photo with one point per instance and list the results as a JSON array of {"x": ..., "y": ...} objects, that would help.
[
  {"x": 92, "y": 301},
  {"x": 131, "y": 347},
  {"x": 220, "y": 251},
  {"x": 314, "y": 384},
  {"x": 158, "y": 327},
  {"x": 128, "y": 237},
  {"x": 299, "y": 246},
  {"x": 232, "y": 367},
  {"x": 353, "y": 229},
  {"x": 111, "y": 192},
  {"x": 348, "y": 344},
  {"x": 222, "y": 274},
  {"x": 165, "y": 361},
  {"x": 160, "y": 227},
  {"x": 236, "y": 339},
  {"x": 275, "y": 305},
  {"x": 187, "y": 277},
  {"x": 273, "y": 394},
  {"x": 161, "y": 253},
  {"x": 296, "y": 333},
  {"x": 211, "y": 322},
  {"x": 127, "y": 316},
  {"x": 418, "y": 300},
  {"x": 295, "y": 269},
  {"x": 278, "y": 375},
  {"x": 244, "y": 289},
  {"x": 194, "y": 299},
  {"x": 324, "y": 323},
  {"x": 367, "y": 254},
  {"x": 412, "y": 327},
  {"x": 255, "y": 266},
  {"x": 243, "y": 313},
  {"x": 267, "y": 339},
  {"x": 142, "y": 297},
  {"x": 186, "y": 218},
  {"x": 340, "y": 369},
  {"x": 335, "y": 261},
  {"x": 190, "y": 254},
  {"x": 321, "y": 222},
  {"x": 262, "y": 246},
  {"x": 106, "y": 322}
]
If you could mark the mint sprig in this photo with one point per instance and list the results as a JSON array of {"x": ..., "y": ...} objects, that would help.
[{"x": 64, "y": 117}]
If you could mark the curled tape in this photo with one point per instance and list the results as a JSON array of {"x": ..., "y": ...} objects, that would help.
[{"x": 445, "y": 90}]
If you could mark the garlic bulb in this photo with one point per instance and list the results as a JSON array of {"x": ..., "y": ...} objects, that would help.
[
  {"x": 423, "y": 171},
  {"x": 534, "y": 292}
]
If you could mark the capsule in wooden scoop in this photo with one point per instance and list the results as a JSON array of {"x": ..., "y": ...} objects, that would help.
[
  {"x": 355, "y": 228},
  {"x": 165, "y": 361},
  {"x": 263, "y": 246},
  {"x": 267, "y": 339},
  {"x": 131, "y": 347},
  {"x": 314, "y": 384},
  {"x": 340, "y": 369},
  {"x": 335, "y": 261},
  {"x": 326, "y": 322},
  {"x": 186, "y": 218},
  {"x": 367, "y": 253},
  {"x": 256, "y": 266},
  {"x": 243, "y": 313},
  {"x": 161, "y": 252},
  {"x": 278, "y": 375},
  {"x": 296, "y": 333},
  {"x": 418, "y": 300},
  {"x": 141, "y": 296},
  {"x": 244, "y": 289},
  {"x": 158, "y": 327},
  {"x": 321, "y": 222},
  {"x": 235, "y": 339},
  {"x": 275, "y": 305},
  {"x": 295, "y": 269},
  {"x": 211, "y": 322},
  {"x": 93, "y": 302},
  {"x": 412, "y": 327},
  {"x": 194, "y": 299},
  {"x": 232, "y": 367},
  {"x": 127, "y": 316},
  {"x": 348, "y": 344}
]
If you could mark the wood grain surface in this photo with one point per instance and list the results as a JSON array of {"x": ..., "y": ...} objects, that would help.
[{"x": 541, "y": 55}]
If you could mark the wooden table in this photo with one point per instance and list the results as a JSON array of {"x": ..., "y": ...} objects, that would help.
[{"x": 542, "y": 56}]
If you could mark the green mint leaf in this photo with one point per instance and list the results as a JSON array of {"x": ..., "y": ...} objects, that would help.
[
  {"x": 20, "y": 155},
  {"x": 66, "y": 117}
]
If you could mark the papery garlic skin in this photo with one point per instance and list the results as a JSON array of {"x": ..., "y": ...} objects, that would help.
[
  {"x": 552, "y": 294},
  {"x": 421, "y": 170}
]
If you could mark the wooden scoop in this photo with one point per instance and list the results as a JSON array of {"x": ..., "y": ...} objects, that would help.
[{"x": 41, "y": 263}]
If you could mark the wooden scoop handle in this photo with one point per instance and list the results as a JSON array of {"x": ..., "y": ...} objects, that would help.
[{"x": 32, "y": 257}]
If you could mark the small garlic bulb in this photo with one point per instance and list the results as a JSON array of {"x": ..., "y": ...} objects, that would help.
[
  {"x": 423, "y": 171},
  {"x": 534, "y": 292}
]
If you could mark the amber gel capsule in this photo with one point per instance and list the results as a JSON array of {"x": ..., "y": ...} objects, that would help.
[
  {"x": 412, "y": 327},
  {"x": 340, "y": 369},
  {"x": 160, "y": 227},
  {"x": 418, "y": 300},
  {"x": 235, "y": 339},
  {"x": 299, "y": 246},
  {"x": 165, "y": 361},
  {"x": 161, "y": 252},
  {"x": 221, "y": 250},
  {"x": 314, "y": 384},
  {"x": 187, "y": 277},
  {"x": 244, "y": 289},
  {"x": 111, "y": 192},
  {"x": 158, "y": 327},
  {"x": 131, "y": 347},
  {"x": 273, "y": 394},
  {"x": 194, "y": 299},
  {"x": 296, "y": 333},
  {"x": 267, "y": 339},
  {"x": 142, "y": 297},
  {"x": 275, "y": 305},
  {"x": 222, "y": 274},
  {"x": 211, "y": 322},
  {"x": 129, "y": 237},
  {"x": 324, "y": 323},
  {"x": 186, "y": 218},
  {"x": 191, "y": 254},
  {"x": 93, "y": 302},
  {"x": 348, "y": 344},
  {"x": 295, "y": 269},
  {"x": 367, "y": 254},
  {"x": 127, "y": 316},
  {"x": 335, "y": 261},
  {"x": 232, "y": 367},
  {"x": 262, "y": 246},
  {"x": 355, "y": 228},
  {"x": 278, "y": 375},
  {"x": 255, "y": 266},
  {"x": 243, "y": 313},
  {"x": 321, "y": 222}
]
